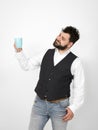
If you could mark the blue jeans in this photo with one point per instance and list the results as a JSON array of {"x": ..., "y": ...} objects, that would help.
[{"x": 42, "y": 110}]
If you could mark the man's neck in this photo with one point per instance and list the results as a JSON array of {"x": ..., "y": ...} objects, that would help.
[{"x": 63, "y": 51}]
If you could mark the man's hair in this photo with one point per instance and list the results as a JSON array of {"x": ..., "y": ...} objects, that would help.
[{"x": 74, "y": 33}]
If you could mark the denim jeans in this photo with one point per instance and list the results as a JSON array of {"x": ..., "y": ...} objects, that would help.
[{"x": 43, "y": 110}]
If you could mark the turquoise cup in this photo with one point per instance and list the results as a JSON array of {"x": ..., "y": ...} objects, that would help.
[{"x": 18, "y": 42}]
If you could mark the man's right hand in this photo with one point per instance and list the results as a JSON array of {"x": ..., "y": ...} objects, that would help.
[{"x": 17, "y": 49}]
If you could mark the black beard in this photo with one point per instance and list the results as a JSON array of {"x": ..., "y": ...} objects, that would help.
[{"x": 55, "y": 44}]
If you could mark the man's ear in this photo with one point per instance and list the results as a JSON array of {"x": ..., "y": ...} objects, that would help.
[{"x": 70, "y": 44}]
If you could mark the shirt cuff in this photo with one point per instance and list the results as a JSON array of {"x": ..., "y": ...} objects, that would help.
[
  {"x": 73, "y": 109},
  {"x": 19, "y": 54}
]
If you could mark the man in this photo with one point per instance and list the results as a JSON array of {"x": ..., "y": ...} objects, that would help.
[{"x": 60, "y": 88}]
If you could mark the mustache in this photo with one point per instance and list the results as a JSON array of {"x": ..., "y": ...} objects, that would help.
[
  {"x": 57, "y": 41},
  {"x": 58, "y": 45}
]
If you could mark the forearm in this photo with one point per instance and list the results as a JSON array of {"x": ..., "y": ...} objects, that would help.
[
  {"x": 23, "y": 61},
  {"x": 78, "y": 86},
  {"x": 77, "y": 99},
  {"x": 30, "y": 63}
]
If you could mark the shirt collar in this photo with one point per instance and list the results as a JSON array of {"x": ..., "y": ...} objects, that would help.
[{"x": 63, "y": 54}]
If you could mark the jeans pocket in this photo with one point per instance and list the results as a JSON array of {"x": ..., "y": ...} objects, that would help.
[
  {"x": 64, "y": 103},
  {"x": 37, "y": 99}
]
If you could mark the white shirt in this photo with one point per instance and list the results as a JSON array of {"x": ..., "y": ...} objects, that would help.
[{"x": 77, "y": 84}]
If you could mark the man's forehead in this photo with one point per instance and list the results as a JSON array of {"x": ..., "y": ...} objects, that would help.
[{"x": 65, "y": 34}]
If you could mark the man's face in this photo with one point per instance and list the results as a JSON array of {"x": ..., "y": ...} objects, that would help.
[{"x": 62, "y": 41}]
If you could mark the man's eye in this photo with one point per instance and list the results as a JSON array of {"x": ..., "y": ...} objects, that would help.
[{"x": 63, "y": 39}]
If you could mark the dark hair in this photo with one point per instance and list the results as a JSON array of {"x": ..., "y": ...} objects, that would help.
[{"x": 74, "y": 33}]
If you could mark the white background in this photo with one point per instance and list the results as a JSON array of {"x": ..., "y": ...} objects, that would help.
[{"x": 39, "y": 22}]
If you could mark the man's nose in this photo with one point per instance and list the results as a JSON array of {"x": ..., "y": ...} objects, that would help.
[{"x": 59, "y": 38}]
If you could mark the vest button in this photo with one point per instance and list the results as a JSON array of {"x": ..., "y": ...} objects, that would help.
[{"x": 45, "y": 96}]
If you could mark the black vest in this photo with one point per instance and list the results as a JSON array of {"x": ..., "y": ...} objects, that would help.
[{"x": 54, "y": 81}]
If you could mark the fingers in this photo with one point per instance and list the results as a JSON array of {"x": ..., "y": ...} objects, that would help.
[
  {"x": 17, "y": 49},
  {"x": 14, "y": 46},
  {"x": 69, "y": 115}
]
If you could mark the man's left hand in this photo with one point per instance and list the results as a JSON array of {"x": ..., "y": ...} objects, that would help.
[{"x": 69, "y": 115}]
